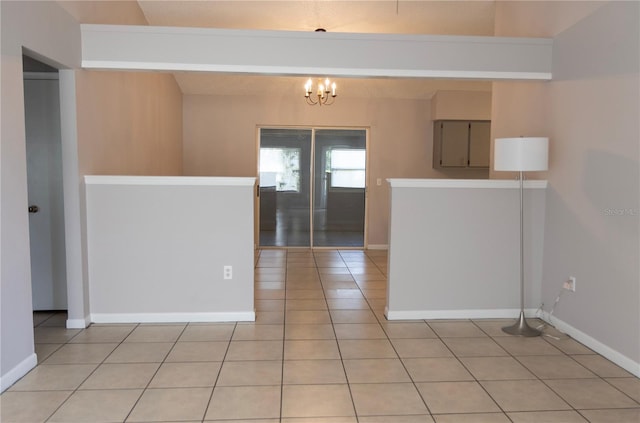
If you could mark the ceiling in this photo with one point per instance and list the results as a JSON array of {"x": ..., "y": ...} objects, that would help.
[{"x": 451, "y": 17}]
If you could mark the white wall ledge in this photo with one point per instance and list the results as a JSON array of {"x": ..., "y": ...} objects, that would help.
[
  {"x": 168, "y": 180},
  {"x": 464, "y": 183}
]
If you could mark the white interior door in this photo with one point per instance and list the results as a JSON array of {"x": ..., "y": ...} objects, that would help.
[{"x": 46, "y": 208}]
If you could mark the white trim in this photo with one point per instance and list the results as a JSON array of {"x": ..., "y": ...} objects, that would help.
[
  {"x": 167, "y": 180},
  {"x": 456, "y": 314},
  {"x": 620, "y": 359},
  {"x": 231, "y": 316},
  {"x": 464, "y": 183},
  {"x": 378, "y": 247},
  {"x": 76, "y": 258},
  {"x": 336, "y": 72},
  {"x": 78, "y": 323},
  {"x": 13, "y": 375}
]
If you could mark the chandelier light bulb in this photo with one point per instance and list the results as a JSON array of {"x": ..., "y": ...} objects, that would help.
[{"x": 326, "y": 92}]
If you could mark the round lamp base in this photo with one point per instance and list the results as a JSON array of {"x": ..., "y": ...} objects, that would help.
[{"x": 521, "y": 328}]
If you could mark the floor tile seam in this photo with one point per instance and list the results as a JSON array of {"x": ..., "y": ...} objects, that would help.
[
  {"x": 620, "y": 390},
  {"x": 77, "y": 389},
  {"x": 518, "y": 359},
  {"x": 368, "y": 304},
  {"x": 473, "y": 321},
  {"x": 556, "y": 393},
  {"x": 98, "y": 389},
  {"x": 245, "y": 360},
  {"x": 475, "y": 379},
  {"x": 52, "y": 314},
  {"x": 605, "y": 378},
  {"x": 284, "y": 329},
  {"x": 607, "y": 409},
  {"x": 415, "y": 386},
  {"x": 376, "y": 264},
  {"x": 224, "y": 359},
  {"x": 544, "y": 381},
  {"x": 333, "y": 328},
  {"x": 161, "y": 363}
]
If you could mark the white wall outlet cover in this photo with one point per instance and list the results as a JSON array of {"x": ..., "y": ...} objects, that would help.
[{"x": 227, "y": 272}]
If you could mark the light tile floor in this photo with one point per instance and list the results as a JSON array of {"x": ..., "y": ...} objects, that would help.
[{"x": 320, "y": 351}]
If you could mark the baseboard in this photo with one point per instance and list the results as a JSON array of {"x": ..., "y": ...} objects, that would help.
[
  {"x": 13, "y": 375},
  {"x": 456, "y": 314},
  {"x": 597, "y": 346},
  {"x": 238, "y": 316},
  {"x": 378, "y": 247},
  {"x": 78, "y": 323}
]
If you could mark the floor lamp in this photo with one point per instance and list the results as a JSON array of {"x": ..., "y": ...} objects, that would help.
[{"x": 521, "y": 155}]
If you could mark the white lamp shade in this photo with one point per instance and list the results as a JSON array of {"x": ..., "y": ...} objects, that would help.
[{"x": 523, "y": 154}]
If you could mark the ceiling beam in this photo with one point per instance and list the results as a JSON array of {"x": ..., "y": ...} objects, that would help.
[{"x": 303, "y": 53}]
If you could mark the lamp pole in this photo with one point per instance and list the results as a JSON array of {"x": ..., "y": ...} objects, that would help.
[{"x": 521, "y": 327}]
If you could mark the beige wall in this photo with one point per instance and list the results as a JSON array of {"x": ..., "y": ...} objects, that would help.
[
  {"x": 519, "y": 109},
  {"x": 540, "y": 18},
  {"x": 115, "y": 12},
  {"x": 129, "y": 123},
  {"x": 220, "y": 139},
  {"x": 462, "y": 105}
]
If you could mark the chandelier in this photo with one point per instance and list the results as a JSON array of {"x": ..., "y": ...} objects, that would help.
[{"x": 325, "y": 92}]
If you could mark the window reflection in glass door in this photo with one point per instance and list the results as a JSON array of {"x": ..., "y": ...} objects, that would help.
[
  {"x": 285, "y": 162},
  {"x": 338, "y": 184},
  {"x": 339, "y": 188}
]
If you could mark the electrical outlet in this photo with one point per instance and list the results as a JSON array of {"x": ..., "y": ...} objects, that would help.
[
  {"x": 227, "y": 272},
  {"x": 570, "y": 284}
]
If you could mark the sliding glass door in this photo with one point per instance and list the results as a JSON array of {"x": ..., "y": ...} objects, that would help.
[
  {"x": 285, "y": 187},
  {"x": 319, "y": 170},
  {"x": 340, "y": 161}
]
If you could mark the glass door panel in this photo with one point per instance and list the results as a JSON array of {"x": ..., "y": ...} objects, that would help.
[
  {"x": 285, "y": 185},
  {"x": 339, "y": 187}
]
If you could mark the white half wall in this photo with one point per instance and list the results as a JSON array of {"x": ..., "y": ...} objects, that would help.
[
  {"x": 454, "y": 249},
  {"x": 157, "y": 247}
]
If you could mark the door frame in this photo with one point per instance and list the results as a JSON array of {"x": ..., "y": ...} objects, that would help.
[
  {"x": 313, "y": 129},
  {"x": 73, "y": 197}
]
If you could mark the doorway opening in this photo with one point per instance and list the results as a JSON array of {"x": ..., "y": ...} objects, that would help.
[
  {"x": 312, "y": 187},
  {"x": 45, "y": 186}
]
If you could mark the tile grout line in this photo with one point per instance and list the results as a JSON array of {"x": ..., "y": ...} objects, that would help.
[
  {"x": 484, "y": 389},
  {"x": 135, "y": 404},
  {"x": 92, "y": 372},
  {"x": 538, "y": 378},
  {"x": 284, "y": 332},
  {"x": 215, "y": 382},
  {"x": 333, "y": 328}
]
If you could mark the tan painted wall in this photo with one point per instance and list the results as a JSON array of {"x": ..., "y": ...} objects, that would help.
[
  {"x": 461, "y": 105},
  {"x": 129, "y": 123},
  {"x": 519, "y": 109},
  {"x": 220, "y": 139}
]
